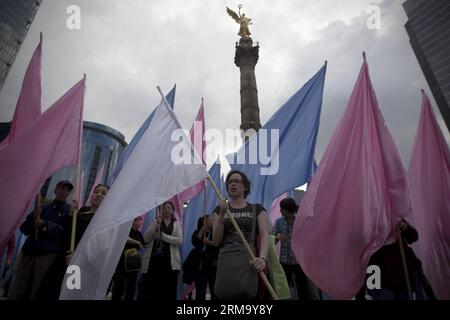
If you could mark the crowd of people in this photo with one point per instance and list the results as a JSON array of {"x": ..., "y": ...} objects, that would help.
[{"x": 150, "y": 263}]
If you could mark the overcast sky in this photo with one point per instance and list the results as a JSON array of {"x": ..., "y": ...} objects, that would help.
[{"x": 127, "y": 48}]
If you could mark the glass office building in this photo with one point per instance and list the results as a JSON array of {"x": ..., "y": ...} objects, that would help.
[
  {"x": 428, "y": 27},
  {"x": 101, "y": 146},
  {"x": 16, "y": 17}
]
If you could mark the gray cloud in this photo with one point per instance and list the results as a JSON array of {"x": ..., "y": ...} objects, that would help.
[{"x": 127, "y": 48}]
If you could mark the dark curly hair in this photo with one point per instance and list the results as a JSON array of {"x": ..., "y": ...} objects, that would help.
[{"x": 289, "y": 204}]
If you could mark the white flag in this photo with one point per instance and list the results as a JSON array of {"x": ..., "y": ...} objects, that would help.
[{"x": 147, "y": 179}]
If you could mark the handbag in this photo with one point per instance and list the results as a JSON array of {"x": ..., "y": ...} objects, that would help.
[
  {"x": 132, "y": 260},
  {"x": 236, "y": 279}
]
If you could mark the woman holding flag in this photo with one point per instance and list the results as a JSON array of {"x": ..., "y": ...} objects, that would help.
[
  {"x": 84, "y": 217},
  {"x": 162, "y": 261},
  {"x": 254, "y": 229}
]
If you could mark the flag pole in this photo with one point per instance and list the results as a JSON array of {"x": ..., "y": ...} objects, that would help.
[
  {"x": 75, "y": 212},
  {"x": 205, "y": 199},
  {"x": 233, "y": 221},
  {"x": 37, "y": 205},
  {"x": 158, "y": 214},
  {"x": 205, "y": 196},
  {"x": 405, "y": 266}
]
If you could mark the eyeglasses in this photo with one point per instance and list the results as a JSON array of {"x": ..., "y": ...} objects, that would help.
[{"x": 234, "y": 181}]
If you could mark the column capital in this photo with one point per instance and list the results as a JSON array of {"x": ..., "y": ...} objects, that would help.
[{"x": 246, "y": 53}]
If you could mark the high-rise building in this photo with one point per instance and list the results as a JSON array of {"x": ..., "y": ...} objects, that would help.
[
  {"x": 101, "y": 146},
  {"x": 428, "y": 28},
  {"x": 16, "y": 17}
]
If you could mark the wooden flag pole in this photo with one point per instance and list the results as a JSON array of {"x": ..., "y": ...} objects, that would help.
[
  {"x": 78, "y": 190},
  {"x": 205, "y": 199},
  {"x": 75, "y": 213},
  {"x": 244, "y": 241},
  {"x": 405, "y": 265},
  {"x": 160, "y": 207},
  {"x": 37, "y": 205}
]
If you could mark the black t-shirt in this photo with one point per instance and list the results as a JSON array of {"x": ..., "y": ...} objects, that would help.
[{"x": 244, "y": 219}]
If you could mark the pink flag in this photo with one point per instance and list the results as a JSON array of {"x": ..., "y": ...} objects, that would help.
[
  {"x": 196, "y": 137},
  {"x": 50, "y": 142},
  {"x": 429, "y": 176},
  {"x": 356, "y": 198},
  {"x": 98, "y": 179},
  {"x": 28, "y": 106}
]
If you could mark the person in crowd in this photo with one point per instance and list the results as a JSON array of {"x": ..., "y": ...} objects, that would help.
[
  {"x": 126, "y": 272},
  {"x": 161, "y": 262},
  {"x": 202, "y": 240},
  {"x": 224, "y": 234},
  {"x": 283, "y": 233},
  {"x": 84, "y": 217},
  {"x": 9, "y": 249},
  {"x": 45, "y": 231},
  {"x": 6, "y": 271},
  {"x": 393, "y": 280},
  {"x": 51, "y": 287}
]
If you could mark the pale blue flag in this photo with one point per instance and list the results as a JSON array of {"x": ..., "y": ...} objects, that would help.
[
  {"x": 285, "y": 149},
  {"x": 149, "y": 177}
]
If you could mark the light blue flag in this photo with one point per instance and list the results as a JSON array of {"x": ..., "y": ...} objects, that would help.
[
  {"x": 223, "y": 188},
  {"x": 285, "y": 160},
  {"x": 148, "y": 178},
  {"x": 196, "y": 209},
  {"x": 170, "y": 97}
]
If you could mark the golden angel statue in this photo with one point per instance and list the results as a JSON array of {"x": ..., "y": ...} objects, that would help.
[{"x": 242, "y": 20}]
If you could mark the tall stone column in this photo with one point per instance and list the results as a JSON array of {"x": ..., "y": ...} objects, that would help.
[{"x": 246, "y": 58}]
